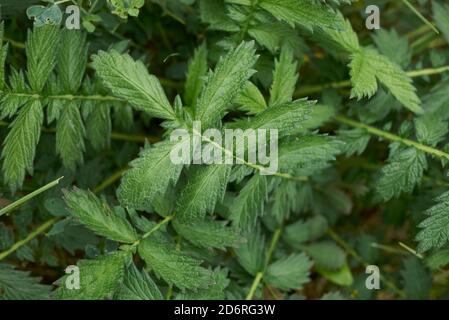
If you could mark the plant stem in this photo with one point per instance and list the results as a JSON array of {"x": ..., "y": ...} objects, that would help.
[
  {"x": 109, "y": 181},
  {"x": 261, "y": 274},
  {"x": 133, "y": 137},
  {"x": 420, "y": 16},
  {"x": 43, "y": 227},
  {"x": 359, "y": 259},
  {"x": 254, "y": 285},
  {"x": 114, "y": 135},
  {"x": 410, "y": 250},
  {"x": 29, "y": 196},
  {"x": 392, "y": 137},
  {"x": 388, "y": 248},
  {"x": 15, "y": 43},
  {"x": 251, "y": 165},
  {"x": 307, "y": 90},
  {"x": 96, "y": 97},
  {"x": 153, "y": 230}
]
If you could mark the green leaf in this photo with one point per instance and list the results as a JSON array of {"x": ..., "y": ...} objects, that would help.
[
  {"x": 251, "y": 99},
  {"x": 195, "y": 74},
  {"x": 20, "y": 144},
  {"x": 98, "y": 216},
  {"x": 213, "y": 12},
  {"x": 333, "y": 296},
  {"x": 288, "y": 273},
  {"x": 206, "y": 186},
  {"x": 207, "y": 233},
  {"x": 123, "y": 8},
  {"x": 368, "y": 63},
  {"x": 99, "y": 278},
  {"x": 72, "y": 60},
  {"x": 18, "y": 285},
  {"x": 340, "y": 40},
  {"x": 435, "y": 228},
  {"x": 149, "y": 176},
  {"x": 41, "y": 47},
  {"x": 341, "y": 277},
  {"x": 70, "y": 135},
  {"x": 430, "y": 129},
  {"x": 393, "y": 46},
  {"x": 438, "y": 260},
  {"x": 250, "y": 202},
  {"x": 285, "y": 118},
  {"x": 307, "y": 154},
  {"x": 356, "y": 141},
  {"x": 98, "y": 126},
  {"x": 302, "y": 231},
  {"x": 326, "y": 254},
  {"x": 214, "y": 292},
  {"x": 174, "y": 266},
  {"x": 440, "y": 14},
  {"x": 251, "y": 254},
  {"x": 224, "y": 83},
  {"x": 284, "y": 78},
  {"x": 304, "y": 12},
  {"x": 3, "y": 53},
  {"x": 417, "y": 280},
  {"x": 363, "y": 75},
  {"x": 274, "y": 35},
  {"x": 137, "y": 285},
  {"x": 130, "y": 81},
  {"x": 403, "y": 172}
]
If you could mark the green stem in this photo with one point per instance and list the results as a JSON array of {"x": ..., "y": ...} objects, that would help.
[
  {"x": 15, "y": 43},
  {"x": 388, "y": 248},
  {"x": 133, "y": 137},
  {"x": 251, "y": 165},
  {"x": 248, "y": 20},
  {"x": 359, "y": 259},
  {"x": 29, "y": 196},
  {"x": 42, "y": 228},
  {"x": 392, "y": 137},
  {"x": 420, "y": 16},
  {"x": 259, "y": 276},
  {"x": 153, "y": 230},
  {"x": 307, "y": 90},
  {"x": 67, "y": 97},
  {"x": 254, "y": 285},
  {"x": 412, "y": 251},
  {"x": 109, "y": 181},
  {"x": 114, "y": 135}
]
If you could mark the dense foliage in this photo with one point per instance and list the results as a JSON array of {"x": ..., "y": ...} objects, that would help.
[{"x": 87, "y": 178}]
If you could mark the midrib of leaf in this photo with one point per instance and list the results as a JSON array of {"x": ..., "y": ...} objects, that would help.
[
  {"x": 47, "y": 224},
  {"x": 306, "y": 90},
  {"x": 200, "y": 189},
  {"x": 261, "y": 274},
  {"x": 152, "y": 230},
  {"x": 143, "y": 90},
  {"x": 392, "y": 137},
  {"x": 248, "y": 20},
  {"x": 66, "y": 97},
  {"x": 254, "y": 166}
]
